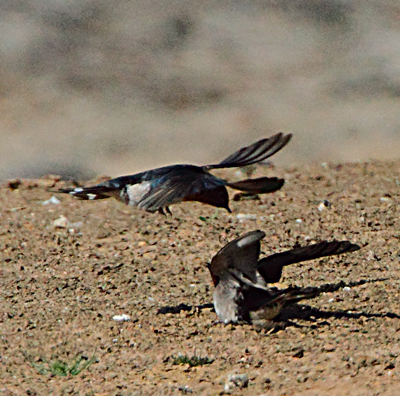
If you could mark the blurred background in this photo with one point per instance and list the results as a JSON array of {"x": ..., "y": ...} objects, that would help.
[{"x": 116, "y": 87}]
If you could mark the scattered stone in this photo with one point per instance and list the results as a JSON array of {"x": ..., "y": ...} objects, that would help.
[
  {"x": 53, "y": 200},
  {"x": 301, "y": 379},
  {"x": 299, "y": 221},
  {"x": 325, "y": 204},
  {"x": 347, "y": 289},
  {"x": 14, "y": 184},
  {"x": 298, "y": 352},
  {"x": 61, "y": 222},
  {"x": 74, "y": 227},
  {"x": 16, "y": 209},
  {"x": 236, "y": 381},
  {"x": 386, "y": 199},
  {"x": 329, "y": 348},
  {"x": 246, "y": 216},
  {"x": 121, "y": 318},
  {"x": 371, "y": 255},
  {"x": 185, "y": 389}
]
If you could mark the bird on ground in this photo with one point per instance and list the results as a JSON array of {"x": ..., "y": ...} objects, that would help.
[
  {"x": 241, "y": 279},
  {"x": 157, "y": 189}
]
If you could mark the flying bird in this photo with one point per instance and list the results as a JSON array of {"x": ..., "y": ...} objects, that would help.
[
  {"x": 157, "y": 189},
  {"x": 241, "y": 279}
]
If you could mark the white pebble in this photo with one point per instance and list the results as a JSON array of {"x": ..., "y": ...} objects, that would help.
[
  {"x": 121, "y": 318},
  {"x": 347, "y": 289},
  {"x": 236, "y": 381},
  {"x": 386, "y": 199},
  {"x": 246, "y": 216},
  {"x": 61, "y": 222},
  {"x": 299, "y": 221},
  {"x": 53, "y": 200}
]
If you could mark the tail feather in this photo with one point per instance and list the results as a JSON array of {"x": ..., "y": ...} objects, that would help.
[
  {"x": 90, "y": 193},
  {"x": 257, "y": 152},
  {"x": 261, "y": 185},
  {"x": 271, "y": 267}
]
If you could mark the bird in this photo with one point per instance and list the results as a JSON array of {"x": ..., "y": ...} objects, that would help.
[
  {"x": 241, "y": 280},
  {"x": 157, "y": 189}
]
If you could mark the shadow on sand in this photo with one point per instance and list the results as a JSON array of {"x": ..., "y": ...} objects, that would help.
[{"x": 300, "y": 311}]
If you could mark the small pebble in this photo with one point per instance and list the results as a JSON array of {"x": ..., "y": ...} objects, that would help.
[
  {"x": 246, "y": 216},
  {"x": 236, "y": 381},
  {"x": 329, "y": 348},
  {"x": 347, "y": 289},
  {"x": 371, "y": 255},
  {"x": 61, "y": 222},
  {"x": 386, "y": 199},
  {"x": 53, "y": 200},
  {"x": 121, "y": 318}
]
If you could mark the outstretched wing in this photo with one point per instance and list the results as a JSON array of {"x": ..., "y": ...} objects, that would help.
[
  {"x": 257, "y": 152},
  {"x": 271, "y": 267},
  {"x": 239, "y": 258},
  {"x": 188, "y": 185}
]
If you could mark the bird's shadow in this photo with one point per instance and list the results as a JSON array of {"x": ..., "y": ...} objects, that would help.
[
  {"x": 176, "y": 309},
  {"x": 299, "y": 311},
  {"x": 311, "y": 314}
]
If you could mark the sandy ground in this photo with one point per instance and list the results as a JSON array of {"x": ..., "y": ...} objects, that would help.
[{"x": 61, "y": 287}]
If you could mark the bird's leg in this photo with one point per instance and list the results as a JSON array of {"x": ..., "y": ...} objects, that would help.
[
  {"x": 161, "y": 211},
  {"x": 168, "y": 211}
]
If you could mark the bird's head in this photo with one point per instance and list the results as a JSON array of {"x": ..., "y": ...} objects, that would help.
[{"x": 215, "y": 278}]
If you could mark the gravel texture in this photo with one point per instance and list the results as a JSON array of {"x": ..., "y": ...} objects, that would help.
[{"x": 98, "y": 298}]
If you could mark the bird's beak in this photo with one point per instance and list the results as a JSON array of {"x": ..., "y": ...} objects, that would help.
[{"x": 215, "y": 278}]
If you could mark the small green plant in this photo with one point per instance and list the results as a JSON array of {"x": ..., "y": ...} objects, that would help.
[
  {"x": 213, "y": 217},
  {"x": 192, "y": 361},
  {"x": 63, "y": 368}
]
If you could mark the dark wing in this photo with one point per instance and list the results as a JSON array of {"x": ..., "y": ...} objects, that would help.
[
  {"x": 271, "y": 267},
  {"x": 257, "y": 152},
  {"x": 239, "y": 257},
  {"x": 261, "y": 185},
  {"x": 185, "y": 186}
]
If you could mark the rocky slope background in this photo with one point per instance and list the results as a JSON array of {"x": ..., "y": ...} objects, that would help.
[
  {"x": 95, "y": 87},
  {"x": 98, "y": 298}
]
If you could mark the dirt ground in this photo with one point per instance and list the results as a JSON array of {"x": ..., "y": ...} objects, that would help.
[{"x": 63, "y": 280}]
